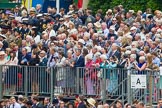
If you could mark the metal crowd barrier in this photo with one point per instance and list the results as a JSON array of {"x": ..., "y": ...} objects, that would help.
[
  {"x": 98, "y": 82},
  {"x": 150, "y": 94}
]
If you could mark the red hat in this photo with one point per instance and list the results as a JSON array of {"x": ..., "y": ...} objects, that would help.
[
  {"x": 52, "y": 23},
  {"x": 14, "y": 22}
]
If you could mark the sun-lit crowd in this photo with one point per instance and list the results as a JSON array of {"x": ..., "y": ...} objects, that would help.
[{"x": 79, "y": 38}]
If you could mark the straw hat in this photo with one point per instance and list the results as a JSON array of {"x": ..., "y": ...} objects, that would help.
[
  {"x": 91, "y": 101},
  {"x": 97, "y": 24}
]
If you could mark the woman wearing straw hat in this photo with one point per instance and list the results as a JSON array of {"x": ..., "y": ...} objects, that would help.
[
  {"x": 91, "y": 103},
  {"x": 98, "y": 27}
]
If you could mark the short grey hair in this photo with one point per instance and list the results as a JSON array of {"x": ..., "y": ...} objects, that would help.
[
  {"x": 133, "y": 56},
  {"x": 103, "y": 56},
  {"x": 39, "y": 5},
  {"x": 142, "y": 58}
]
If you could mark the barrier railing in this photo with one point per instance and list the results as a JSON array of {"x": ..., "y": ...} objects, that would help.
[
  {"x": 148, "y": 95},
  {"x": 101, "y": 83}
]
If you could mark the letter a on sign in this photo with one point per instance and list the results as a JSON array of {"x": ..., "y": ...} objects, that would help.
[{"x": 138, "y": 81}]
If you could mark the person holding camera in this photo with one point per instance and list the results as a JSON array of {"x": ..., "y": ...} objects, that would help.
[{"x": 131, "y": 62}]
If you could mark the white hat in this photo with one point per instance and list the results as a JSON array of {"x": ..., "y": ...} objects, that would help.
[
  {"x": 67, "y": 16},
  {"x": 1, "y": 35},
  {"x": 131, "y": 11},
  {"x": 2, "y": 53},
  {"x": 91, "y": 101},
  {"x": 25, "y": 19},
  {"x": 112, "y": 28},
  {"x": 39, "y": 15},
  {"x": 61, "y": 19},
  {"x": 133, "y": 28},
  {"x": 81, "y": 41}
]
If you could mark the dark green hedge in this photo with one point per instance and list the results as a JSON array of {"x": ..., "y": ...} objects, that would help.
[{"x": 128, "y": 4}]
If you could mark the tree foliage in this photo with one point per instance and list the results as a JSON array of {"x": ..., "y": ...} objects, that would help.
[{"x": 128, "y": 4}]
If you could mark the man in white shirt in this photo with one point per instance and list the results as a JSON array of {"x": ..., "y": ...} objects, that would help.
[
  {"x": 105, "y": 29},
  {"x": 14, "y": 103}
]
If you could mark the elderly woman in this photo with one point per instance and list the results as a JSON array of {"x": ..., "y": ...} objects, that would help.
[
  {"x": 111, "y": 75},
  {"x": 141, "y": 65},
  {"x": 89, "y": 71},
  {"x": 113, "y": 83},
  {"x": 70, "y": 71},
  {"x": 103, "y": 74}
]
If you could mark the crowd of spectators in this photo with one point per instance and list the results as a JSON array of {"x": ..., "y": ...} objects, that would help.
[
  {"x": 59, "y": 102},
  {"x": 115, "y": 39}
]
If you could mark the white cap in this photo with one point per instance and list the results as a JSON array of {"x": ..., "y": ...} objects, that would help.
[
  {"x": 81, "y": 41},
  {"x": 39, "y": 15},
  {"x": 25, "y": 19},
  {"x": 133, "y": 28}
]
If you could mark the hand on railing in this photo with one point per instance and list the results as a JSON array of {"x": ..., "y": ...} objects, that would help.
[
  {"x": 48, "y": 70},
  {"x": 148, "y": 69}
]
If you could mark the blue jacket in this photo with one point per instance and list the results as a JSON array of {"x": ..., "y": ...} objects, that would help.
[
  {"x": 43, "y": 62},
  {"x": 79, "y": 62}
]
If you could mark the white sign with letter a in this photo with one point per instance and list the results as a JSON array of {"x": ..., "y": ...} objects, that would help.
[{"x": 138, "y": 81}]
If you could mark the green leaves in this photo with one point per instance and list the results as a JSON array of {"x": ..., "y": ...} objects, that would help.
[{"x": 128, "y": 4}]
